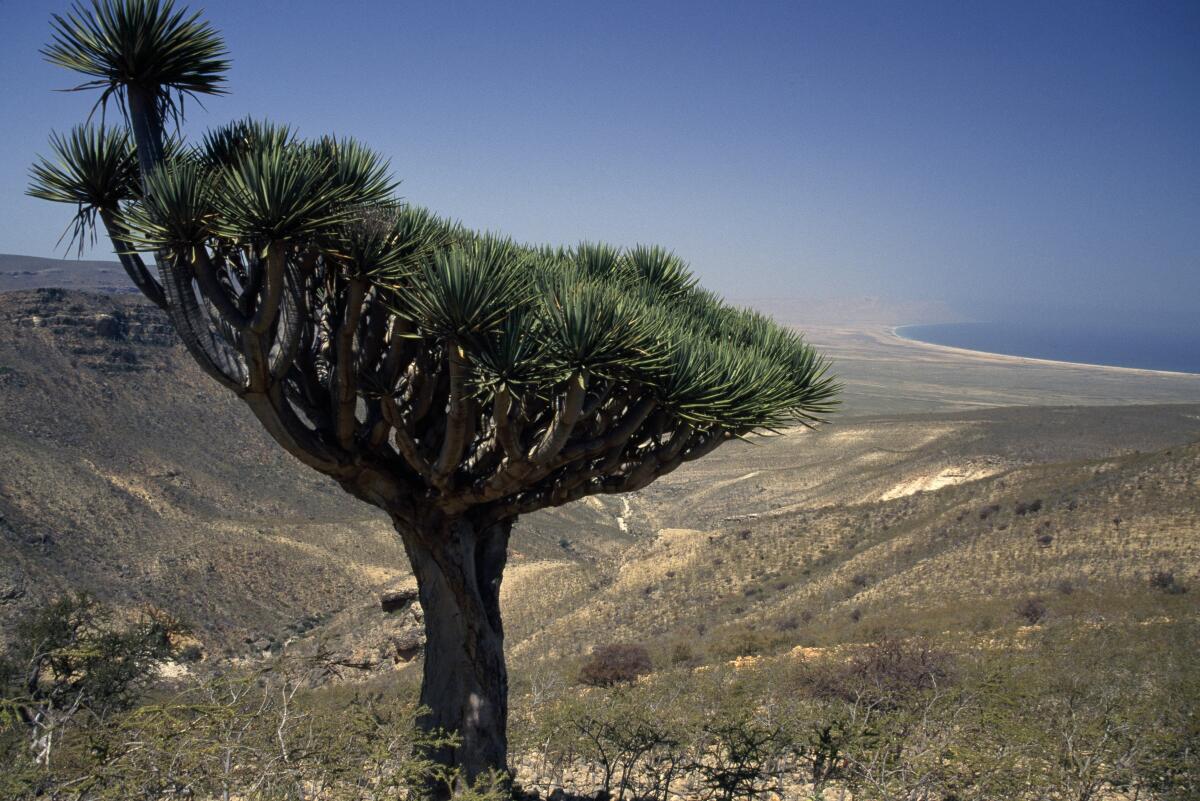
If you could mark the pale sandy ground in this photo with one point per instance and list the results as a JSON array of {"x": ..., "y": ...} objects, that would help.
[
  {"x": 916, "y": 418},
  {"x": 894, "y": 334},
  {"x": 886, "y": 374},
  {"x": 930, "y": 481}
]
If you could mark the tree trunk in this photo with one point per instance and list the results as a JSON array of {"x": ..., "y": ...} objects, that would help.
[
  {"x": 146, "y": 121},
  {"x": 458, "y": 565}
]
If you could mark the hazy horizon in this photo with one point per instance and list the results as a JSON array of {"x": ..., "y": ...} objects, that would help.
[{"x": 1011, "y": 162}]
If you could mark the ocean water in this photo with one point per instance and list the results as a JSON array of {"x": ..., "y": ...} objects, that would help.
[{"x": 1176, "y": 349}]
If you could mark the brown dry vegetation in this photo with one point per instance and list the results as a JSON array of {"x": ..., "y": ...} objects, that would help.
[
  {"x": 101, "y": 490},
  {"x": 927, "y": 515}
]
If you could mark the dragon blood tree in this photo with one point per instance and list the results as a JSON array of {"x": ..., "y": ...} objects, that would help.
[{"x": 454, "y": 380}]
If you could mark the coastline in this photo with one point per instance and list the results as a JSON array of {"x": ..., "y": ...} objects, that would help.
[{"x": 894, "y": 333}]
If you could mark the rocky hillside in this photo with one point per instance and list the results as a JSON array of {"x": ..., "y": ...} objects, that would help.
[
  {"x": 1086, "y": 534},
  {"x": 933, "y": 524},
  {"x": 127, "y": 473},
  {"x": 32, "y": 272}
]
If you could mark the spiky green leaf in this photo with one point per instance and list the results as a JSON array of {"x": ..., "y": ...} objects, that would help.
[
  {"x": 179, "y": 212},
  {"x": 93, "y": 168},
  {"x": 275, "y": 194},
  {"x": 223, "y": 146},
  {"x": 139, "y": 43},
  {"x": 662, "y": 270},
  {"x": 597, "y": 328},
  {"x": 359, "y": 173},
  {"x": 467, "y": 292}
]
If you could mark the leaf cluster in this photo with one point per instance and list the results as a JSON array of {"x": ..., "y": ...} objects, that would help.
[
  {"x": 93, "y": 168},
  {"x": 71, "y": 654},
  {"x": 530, "y": 319},
  {"x": 526, "y": 319},
  {"x": 142, "y": 44}
]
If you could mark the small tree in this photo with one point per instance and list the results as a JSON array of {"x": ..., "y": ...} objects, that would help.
[
  {"x": 1165, "y": 580},
  {"x": 451, "y": 379},
  {"x": 70, "y": 658},
  {"x": 741, "y": 756}
]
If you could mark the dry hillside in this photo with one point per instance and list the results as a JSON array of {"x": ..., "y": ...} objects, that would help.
[{"x": 126, "y": 473}]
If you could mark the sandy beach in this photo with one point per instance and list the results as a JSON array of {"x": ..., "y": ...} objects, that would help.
[{"x": 888, "y": 373}]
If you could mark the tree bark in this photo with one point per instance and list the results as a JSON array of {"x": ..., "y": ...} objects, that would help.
[
  {"x": 458, "y": 565},
  {"x": 146, "y": 120}
]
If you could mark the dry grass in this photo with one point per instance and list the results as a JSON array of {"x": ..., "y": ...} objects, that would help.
[{"x": 134, "y": 477}]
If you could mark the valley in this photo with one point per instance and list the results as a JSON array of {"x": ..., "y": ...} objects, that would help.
[
  {"x": 996, "y": 515},
  {"x": 130, "y": 476}
]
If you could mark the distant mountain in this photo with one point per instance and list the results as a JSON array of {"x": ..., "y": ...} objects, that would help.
[{"x": 33, "y": 272}]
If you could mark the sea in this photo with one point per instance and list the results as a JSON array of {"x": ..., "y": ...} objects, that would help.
[{"x": 1175, "y": 349}]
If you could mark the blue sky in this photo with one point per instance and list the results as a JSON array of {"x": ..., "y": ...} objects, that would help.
[{"x": 1009, "y": 159}]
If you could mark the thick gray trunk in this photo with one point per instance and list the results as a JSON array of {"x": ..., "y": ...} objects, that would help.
[
  {"x": 459, "y": 566},
  {"x": 145, "y": 118}
]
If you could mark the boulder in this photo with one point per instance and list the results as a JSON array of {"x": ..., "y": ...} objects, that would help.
[
  {"x": 109, "y": 327},
  {"x": 397, "y": 600},
  {"x": 408, "y": 645}
]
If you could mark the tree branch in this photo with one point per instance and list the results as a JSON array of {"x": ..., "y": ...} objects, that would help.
[
  {"x": 460, "y": 419},
  {"x": 268, "y": 305},
  {"x": 276, "y": 415},
  {"x": 132, "y": 262},
  {"x": 214, "y": 293},
  {"x": 565, "y": 417},
  {"x": 406, "y": 445},
  {"x": 345, "y": 397},
  {"x": 212, "y": 353}
]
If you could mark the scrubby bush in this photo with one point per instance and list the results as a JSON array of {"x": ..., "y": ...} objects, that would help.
[
  {"x": 886, "y": 674},
  {"x": 72, "y": 659},
  {"x": 1032, "y": 610},
  {"x": 1071, "y": 715},
  {"x": 81, "y": 719},
  {"x": 1074, "y": 713},
  {"x": 740, "y": 755},
  {"x": 626, "y": 741},
  {"x": 738, "y": 641},
  {"x": 257, "y": 735},
  {"x": 682, "y": 653},
  {"x": 1024, "y": 508},
  {"x": 615, "y": 663},
  {"x": 1165, "y": 580},
  {"x": 787, "y": 623}
]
